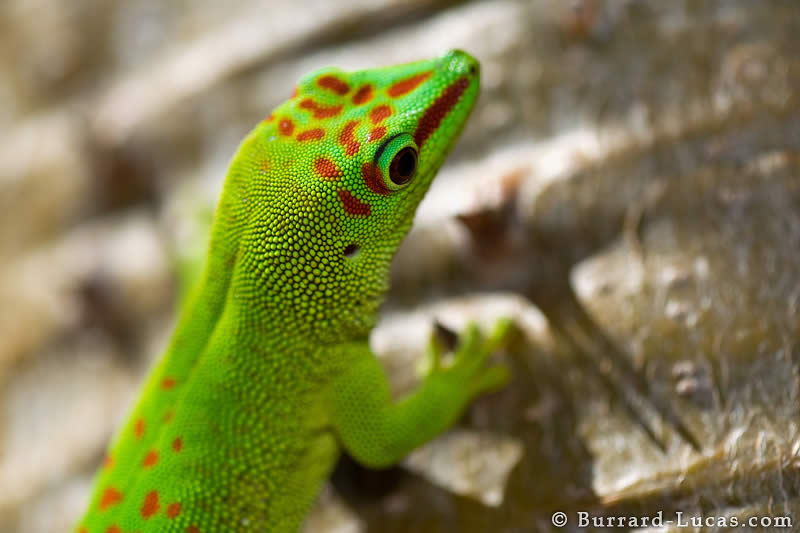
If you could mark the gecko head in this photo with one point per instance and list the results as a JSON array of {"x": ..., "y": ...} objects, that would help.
[
  {"x": 367, "y": 144},
  {"x": 352, "y": 154}
]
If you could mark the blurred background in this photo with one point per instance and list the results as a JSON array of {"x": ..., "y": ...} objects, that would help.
[{"x": 628, "y": 189}]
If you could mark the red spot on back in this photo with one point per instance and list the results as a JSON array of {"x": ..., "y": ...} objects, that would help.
[
  {"x": 407, "y": 85},
  {"x": 363, "y": 95},
  {"x": 334, "y": 84},
  {"x": 380, "y": 113},
  {"x": 173, "y": 510},
  {"x": 285, "y": 127},
  {"x": 269, "y": 118},
  {"x": 167, "y": 383},
  {"x": 372, "y": 177},
  {"x": 150, "y": 459},
  {"x": 111, "y": 496},
  {"x": 439, "y": 109},
  {"x": 320, "y": 111},
  {"x": 311, "y": 135},
  {"x": 353, "y": 205},
  {"x": 177, "y": 444},
  {"x": 113, "y": 529},
  {"x": 192, "y": 529},
  {"x": 295, "y": 92},
  {"x": 108, "y": 462},
  {"x": 83, "y": 530},
  {"x": 138, "y": 428},
  {"x": 150, "y": 506},
  {"x": 168, "y": 416},
  {"x": 376, "y": 133},
  {"x": 348, "y": 139},
  {"x": 327, "y": 169}
]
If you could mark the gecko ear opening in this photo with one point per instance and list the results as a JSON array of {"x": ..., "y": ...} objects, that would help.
[{"x": 351, "y": 250}]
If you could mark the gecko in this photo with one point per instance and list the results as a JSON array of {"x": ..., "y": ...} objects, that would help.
[{"x": 269, "y": 374}]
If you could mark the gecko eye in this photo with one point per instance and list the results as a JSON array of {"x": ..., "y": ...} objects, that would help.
[
  {"x": 397, "y": 161},
  {"x": 403, "y": 166}
]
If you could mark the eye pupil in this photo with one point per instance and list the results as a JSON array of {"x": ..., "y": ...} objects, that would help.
[{"x": 403, "y": 166}]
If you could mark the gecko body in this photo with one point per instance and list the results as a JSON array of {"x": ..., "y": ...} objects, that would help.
[{"x": 269, "y": 374}]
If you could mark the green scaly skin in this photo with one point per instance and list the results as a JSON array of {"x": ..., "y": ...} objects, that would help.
[{"x": 269, "y": 371}]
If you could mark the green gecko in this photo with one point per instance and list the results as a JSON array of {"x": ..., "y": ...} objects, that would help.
[{"x": 269, "y": 371}]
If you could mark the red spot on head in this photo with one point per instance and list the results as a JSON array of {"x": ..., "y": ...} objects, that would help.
[
  {"x": 177, "y": 444},
  {"x": 320, "y": 111},
  {"x": 376, "y": 133},
  {"x": 372, "y": 177},
  {"x": 285, "y": 127},
  {"x": 111, "y": 496},
  {"x": 348, "y": 139},
  {"x": 407, "y": 85},
  {"x": 173, "y": 510},
  {"x": 311, "y": 135},
  {"x": 327, "y": 169},
  {"x": 83, "y": 530},
  {"x": 167, "y": 383},
  {"x": 169, "y": 415},
  {"x": 192, "y": 529},
  {"x": 265, "y": 166},
  {"x": 332, "y": 83},
  {"x": 108, "y": 462},
  {"x": 295, "y": 92},
  {"x": 439, "y": 109},
  {"x": 113, "y": 529},
  {"x": 150, "y": 459},
  {"x": 269, "y": 118},
  {"x": 363, "y": 95},
  {"x": 138, "y": 428},
  {"x": 380, "y": 113},
  {"x": 353, "y": 205},
  {"x": 150, "y": 506}
]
